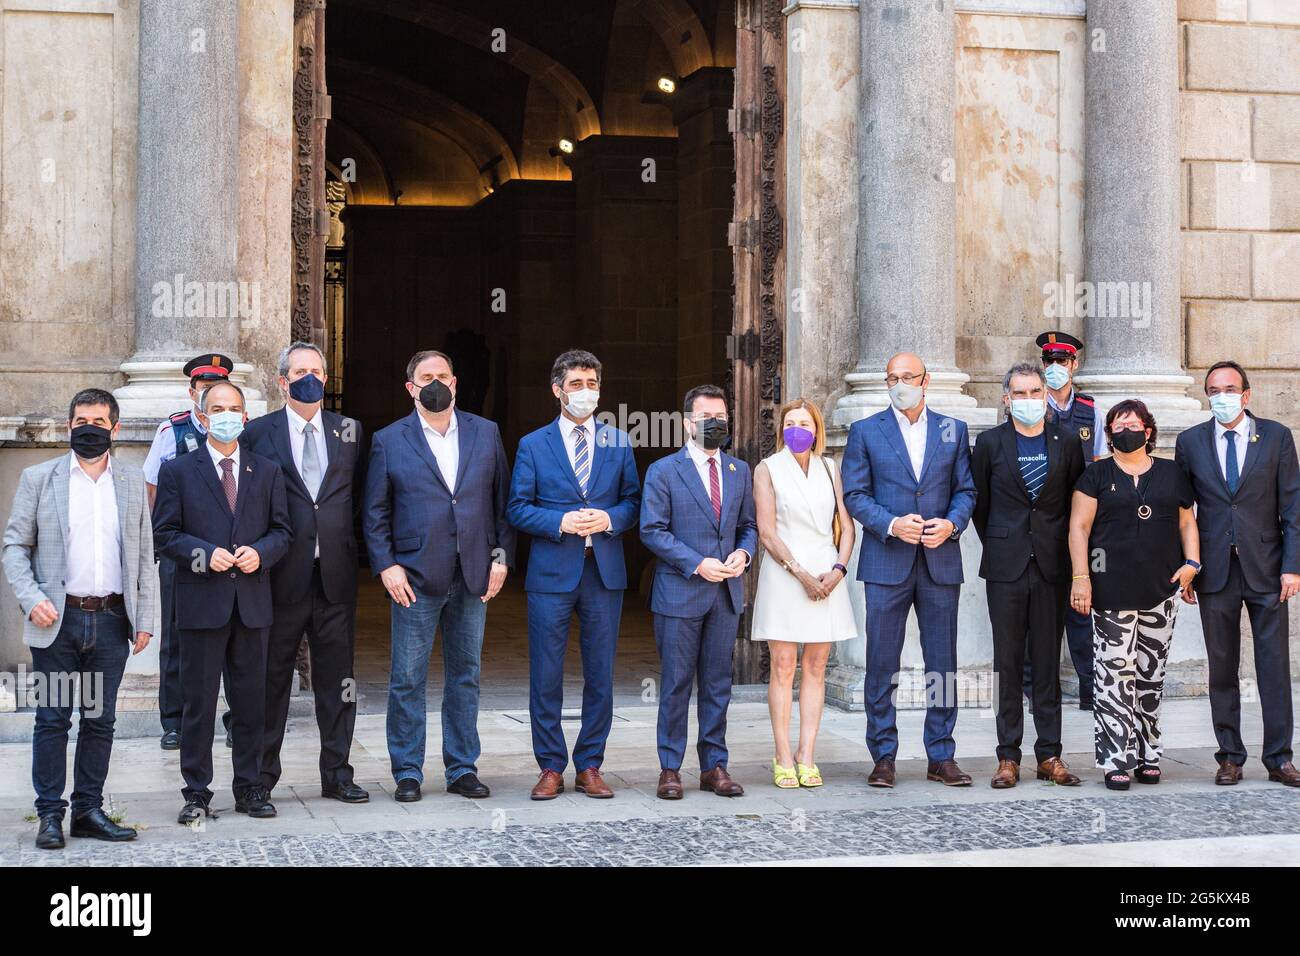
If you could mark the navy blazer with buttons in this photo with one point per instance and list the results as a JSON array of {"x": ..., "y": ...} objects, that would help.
[{"x": 413, "y": 519}]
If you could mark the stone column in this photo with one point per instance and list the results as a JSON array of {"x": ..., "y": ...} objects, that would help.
[
  {"x": 1133, "y": 323},
  {"x": 906, "y": 255},
  {"x": 188, "y": 297}
]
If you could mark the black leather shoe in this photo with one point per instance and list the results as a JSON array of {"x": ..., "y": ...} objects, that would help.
[
  {"x": 50, "y": 835},
  {"x": 408, "y": 790},
  {"x": 345, "y": 793},
  {"x": 171, "y": 740},
  {"x": 468, "y": 785},
  {"x": 194, "y": 810},
  {"x": 256, "y": 802},
  {"x": 97, "y": 826}
]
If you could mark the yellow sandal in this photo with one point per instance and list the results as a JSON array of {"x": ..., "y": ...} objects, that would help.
[
  {"x": 808, "y": 776},
  {"x": 784, "y": 777}
]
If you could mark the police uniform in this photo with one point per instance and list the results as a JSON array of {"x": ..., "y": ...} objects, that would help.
[
  {"x": 178, "y": 434},
  {"x": 1082, "y": 417}
]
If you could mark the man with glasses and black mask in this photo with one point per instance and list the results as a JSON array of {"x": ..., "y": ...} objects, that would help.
[
  {"x": 78, "y": 553},
  {"x": 436, "y": 531}
]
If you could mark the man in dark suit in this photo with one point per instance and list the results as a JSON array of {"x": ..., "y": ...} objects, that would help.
[
  {"x": 1024, "y": 472},
  {"x": 907, "y": 480},
  {"x": 697, "y": 518},
  {"x": 220, "y": 515},
  {"x": 314, "y": 588},
  {"x": 436, "y": 529},
  {"x": 1245, "y": 476},
  {"x": 575, "y": 490}
]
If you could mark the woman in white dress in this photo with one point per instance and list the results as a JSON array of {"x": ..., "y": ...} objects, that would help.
[{"x": 800, "y": 602}]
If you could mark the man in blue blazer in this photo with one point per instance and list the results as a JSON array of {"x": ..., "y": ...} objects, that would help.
[
  {"x": 697, "y": 517},
  {"x": 221, "y": 515},
  {"x": 907, "y": 479},
  {"x": 575, "y": 490},
  {"x": 436, "y": 531}
]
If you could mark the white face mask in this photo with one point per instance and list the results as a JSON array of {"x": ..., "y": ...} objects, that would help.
[
  {"x": 904, "y": 397},
  {"x": 582, "y": 403}
]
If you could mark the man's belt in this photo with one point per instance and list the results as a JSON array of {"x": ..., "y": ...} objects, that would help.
[{"x": 94, "y": 603}]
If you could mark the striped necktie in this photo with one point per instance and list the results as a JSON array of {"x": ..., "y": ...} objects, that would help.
[{"x": 581, "y": 457}]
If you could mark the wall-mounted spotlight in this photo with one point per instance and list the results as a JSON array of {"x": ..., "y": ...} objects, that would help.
[
  {"x": 664, "y": 87},
  {"x": 667, "y": 85},
  {"x": 563, "y": 148}
]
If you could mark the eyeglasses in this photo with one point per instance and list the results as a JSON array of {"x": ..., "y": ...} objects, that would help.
[
  {"x": 907, "y": 378},
  {"x": 1057, "y": 360},
  {"x": 1226, "y": 390},
  {"x": 1128, "y": 427}
]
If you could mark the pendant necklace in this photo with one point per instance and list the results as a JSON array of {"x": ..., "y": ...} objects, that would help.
[{"x": 1144, "y": 509}]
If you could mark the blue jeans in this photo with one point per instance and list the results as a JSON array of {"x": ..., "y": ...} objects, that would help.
[
  {"x": 95, "y": 645},
  {"x": 462, "y": 616}
]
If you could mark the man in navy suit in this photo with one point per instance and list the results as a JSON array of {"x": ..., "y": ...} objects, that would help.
[
  {"x": 575, "y": 490},
  {"x": 436, "y": 530},
  {"x": 220, "y": 514},
  {"x": 697, "y": 517},
  {"x": 907, "y": 479},
  {"x": 1244, "y": 472},
  {"x": 315, "y": 587}
]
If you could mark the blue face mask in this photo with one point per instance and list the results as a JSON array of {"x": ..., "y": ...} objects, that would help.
[
  {"x": 309, "y": 389},
  {"x": 1028, "y": 411},
  {"x": 1226, "y": 406},
  {"x": 1057, "y": 375},
  {"x": 226, "y": 426}
]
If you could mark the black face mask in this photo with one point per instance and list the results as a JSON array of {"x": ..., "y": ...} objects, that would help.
[
  {"x": 436, "y": 396},
  {"x": 91, "y": 441},
  {"x": 309, "y": 389},
  {"x": 712, "y": 431},
  {"x": 1127, "y": 441}
]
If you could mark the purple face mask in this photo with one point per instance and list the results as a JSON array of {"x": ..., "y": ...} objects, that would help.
[{"x": 798, "y": 440}]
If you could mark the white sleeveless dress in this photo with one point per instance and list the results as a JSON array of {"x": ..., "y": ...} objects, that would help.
[{"x": 805, "y": 507}]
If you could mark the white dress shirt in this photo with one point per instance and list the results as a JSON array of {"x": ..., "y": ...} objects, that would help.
[
  {"x": 567, "y": 429},
  {"x": 297, "y": 424},
  {"x": 445, "y": 448},
  {"x": 94, "y": 552},
  {"x": 701, "y": 459},
  {"x": 1221, "y": 444},
  {"x": 217, "y": 458},
  {"x": 914, "y": 439}
]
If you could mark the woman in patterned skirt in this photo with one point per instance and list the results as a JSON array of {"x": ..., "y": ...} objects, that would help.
[{"x": 1134, "y": 546}]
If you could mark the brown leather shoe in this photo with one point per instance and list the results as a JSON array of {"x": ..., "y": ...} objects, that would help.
[
  {"x": 593, "y": 784},
  {"x": 1007, "y": 775},
  {"x": 670, "y": 785},
  {"x": 1228, "y": 774},
  {"x": 720, "y": 782},
  {"x": 882, "y": 774},
  {"x": 549, "y": 785},
  {"x": 947, "y": 773},
  {"x": 1287, "y": 774},
  {"x": 1055, "y": 770}
]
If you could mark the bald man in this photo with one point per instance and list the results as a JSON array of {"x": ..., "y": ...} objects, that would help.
[{"x": 907, "y": 479}]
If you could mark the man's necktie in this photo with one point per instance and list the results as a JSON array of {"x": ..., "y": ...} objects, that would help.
[
  {"x": 581, "y": 457},
  {"x": 715, "y": 490},
  {"x": 310, "y": 460},
  {"x": 1231, "y": 472},
  {"x": 228, "y": 482}
]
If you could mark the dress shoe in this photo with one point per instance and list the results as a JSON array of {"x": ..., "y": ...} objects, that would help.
[
  {"x": 345, "y": 793},
  {"x": 1285, "y": 773},
  {"x": 469, "y": 785},
  {"x": 50, "y": 835},
  {"x": 408, "y": 790},
  {"x": 550, "y": 784},
  {"x": 1006, "y": 776},
  {"x": 593, "y": 784},
  {"x": 171, "y": 740},
  {"x": 882, "y": 774},
  {"x": 719, "y": 781},
  {"x": 1055, "y": 770},
  {"x": 1228, "y": 774},
  {"x": 670, "y": 785},
  {"x": 947, "y": 773},
  {"x": 256, "y": 802},
  {"x": 193, "y": 811},
  {"x": 96, "y": 825}
]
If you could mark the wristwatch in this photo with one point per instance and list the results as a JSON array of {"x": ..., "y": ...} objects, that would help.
[
  {"x": 840, "y": 568},
  {"x": 1196, "y": 565}
]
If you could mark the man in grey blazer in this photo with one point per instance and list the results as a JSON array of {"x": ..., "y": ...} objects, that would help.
[{"x": 78, "y": 553}]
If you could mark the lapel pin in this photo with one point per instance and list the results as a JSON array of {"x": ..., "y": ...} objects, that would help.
[
  {"x": 1254, "y": 438},
  {"x": 731, "y": 466},
  {"x": 248, "y": 468},
  {"x": 336, "y": 433}
]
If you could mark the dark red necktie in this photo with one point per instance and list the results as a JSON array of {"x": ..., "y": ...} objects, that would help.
[
  {"x": 715, "y": 491},
  {"x": 228, "y": 482}
]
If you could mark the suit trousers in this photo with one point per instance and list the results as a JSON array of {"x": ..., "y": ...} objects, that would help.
[
  {"x": 1221, "y": 621},
  {"x": 599, "y": 611},
  {"x": 936, "y": 613},
  {"x": 696, "y": 650},
  {"x": 1078, "y": 639},
  {"x": 169, "y": 652},
  {"x": 330, "y": 631},
  {"x": 1026, "y": 617},
  {"x": 241, "y": 652}
]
